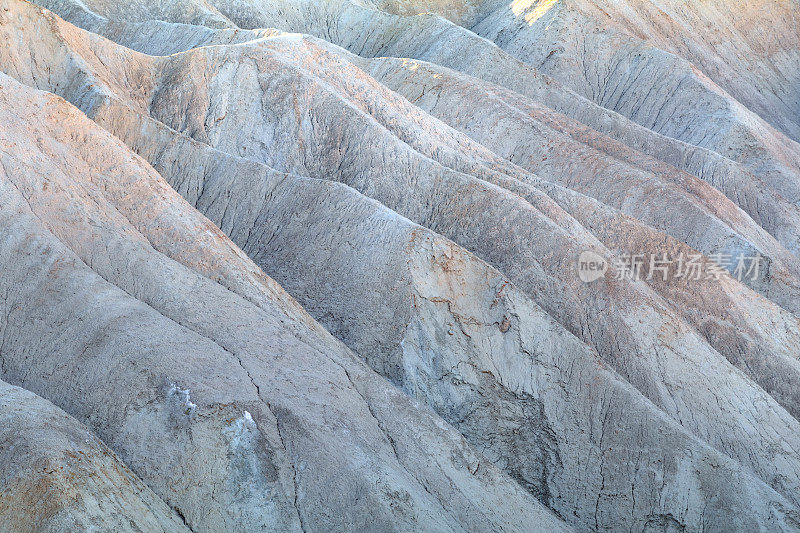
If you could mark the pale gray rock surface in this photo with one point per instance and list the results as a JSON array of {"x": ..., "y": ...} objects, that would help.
[
  {"x": 236, "y": 420},
  {"x": 727, "y": 128},
  {"x": 672, "y": 42},
  {"x": 56, "y": 476},
  {"x": 766, "y": 195},
  {"x": 558, "y": 148},
  {"x": 618, "y": 405}
]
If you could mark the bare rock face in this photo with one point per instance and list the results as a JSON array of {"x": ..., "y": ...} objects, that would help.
[
  {"x": 236, "y": 420},
  {"x": 717, "y": 53},
  {"x": 543, "y": 33},
  {"x": 57, "y": 476},
  {"x": 423, "y": 193}
]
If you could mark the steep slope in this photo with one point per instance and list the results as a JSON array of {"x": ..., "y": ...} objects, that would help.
[
  {"x": 371, "y": 283},
  {"x": 373, "y": 33},
  {"x": 687, "y": 354},
  {"x": 56, "y": 476},
  {"x": 467, "y": 342},
  {"x": 729, "y": 129},
  {"x": 120, "y": 306},
  {"x": 560, "y": 149},
  {"x": 438, "y": 240},
  {"x": 575, "y": 42},
  {"x": 726, "y": 43}
]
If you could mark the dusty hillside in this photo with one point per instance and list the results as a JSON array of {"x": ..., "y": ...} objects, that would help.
[
  {"x": 227, "y": 402},
  {"x": 57, "y": 476},
  {"x": 419, "y": 179}
]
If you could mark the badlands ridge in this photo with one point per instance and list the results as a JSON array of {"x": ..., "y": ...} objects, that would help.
[{"x": 313, "y": 265}]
